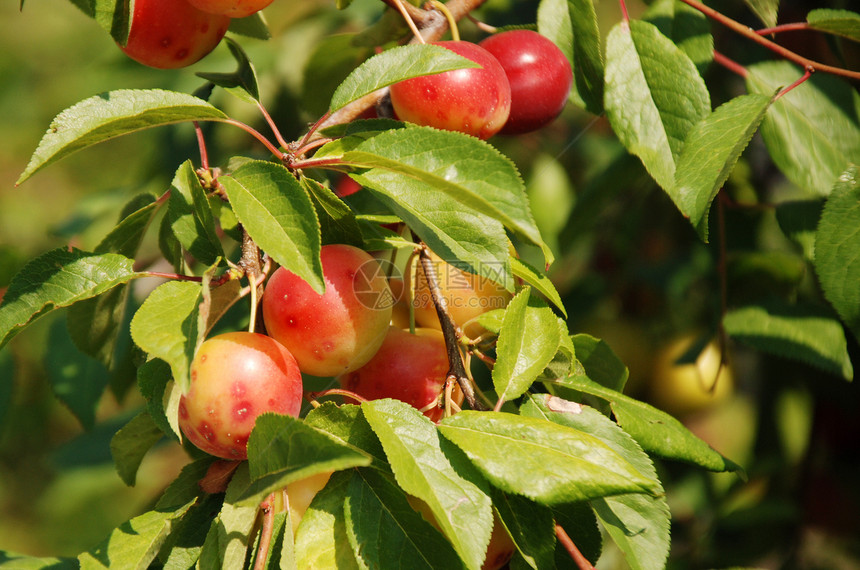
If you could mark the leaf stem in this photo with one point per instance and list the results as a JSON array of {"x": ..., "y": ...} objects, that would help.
[
  {"x": 624, "y": 13},
  {"x": 452, "y": 23},
  {"x": 806, "y": 75},
  {"x": 730, "y": 64},
  {"x": 581, "y": 561},
  {"x": 398, "y": 4},
  {"x": 311, "y": 396},
  {"x": 174, "y": 276},
  {"x": 201, "y": 143},
  {"x": 257, "y": 135},
  {"x": 783, "y": 28},
  {"x": 457, "y": 369},
  {"x": 272, "y": 125},
  {"x": 751, "y": 34}
]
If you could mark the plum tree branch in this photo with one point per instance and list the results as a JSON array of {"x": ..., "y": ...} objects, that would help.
[
  {"x": 581, "y": 561},
  {"x": 457, "y": 370},
  {"x": 751, "y": 34}
]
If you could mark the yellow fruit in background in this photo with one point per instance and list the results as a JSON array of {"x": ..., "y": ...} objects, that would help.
[
  {"x": 466, "y": 294},
  {"x": 682, "y": 389},
  {"x": 302, "y": 492}
]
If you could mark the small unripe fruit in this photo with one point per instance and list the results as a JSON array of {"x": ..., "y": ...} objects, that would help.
[
  {"x": 168, "y": 34},
  {"x": 340, "y": 330},
  {"x": 235, "y": 377},
  {"x": 474, "y": 101}
]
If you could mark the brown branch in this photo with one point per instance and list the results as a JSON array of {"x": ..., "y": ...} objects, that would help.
[
  {"x": 457, "y": 370},
  {"x": 751, "y": 34},
  {"x": 268, "y": 511},
  {"x": 581, "y": 561}
]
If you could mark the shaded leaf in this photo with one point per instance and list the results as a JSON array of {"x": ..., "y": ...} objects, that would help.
[
  {"x": 346, "y": 424},
  {"x": 531, "y": 527},
  {"x": 710, "y": 153},
  {"x": 332, "y": 60},
  {"x": 766, "y": 10},
  {"x": 539, "y": 281},
  {"x": 528, "y": 340},
  {"x": 798, "y": 220},
  {"x": 226, "y": 544},
  {"x": 386, "y": 532},
  {"x": 321, "y": 538},
  {"x": 243, "y": 82},
  {"x": 837, "y": 244},
  {"x": 114, "y": 16},
  {"x": 422, "y": 468},
  {"x": 541, "y": 460},
  {"x": 130, "y": 444},
  {"x": 113, "y": 114},
  {"x": 686, "y": 26},
  {"x": 654, "y": 96},
  {"x": 153, "y": 379},
  {"x": 278, "y": 214},
  {"x": 337, "y": 220},
  {"x": 166, "y": 326},
  {"x": 57, "y": 279},
  {"x": 394, "y": 65},
  {"x": 253, "y": 26},
  {"x": 811, "y": 132}
]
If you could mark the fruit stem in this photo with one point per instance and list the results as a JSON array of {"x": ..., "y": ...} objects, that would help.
[
  {"x": 452, "y": 23},
  {"x": 409, "y": 21},
  {"x": 751, "y": 34},
  {"x": 457, "y": 370},
  {"x": 272, "y": 125},
  {"x": 312, "y": 396},
  {"x": 581, "y": 561},
  {"x": 268, "y": 512}
]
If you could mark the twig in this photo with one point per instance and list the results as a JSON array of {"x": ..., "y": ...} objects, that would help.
[
  {"x": 201, "y": 143},
  {"x": 457, "y": 371},
  {"x": 783, "y": 28},
  {"x": 268, "y": 511},
  {"x": 580, "y": 560},
  {"x": 730, "y": 64},
  {"x": 751, "y": 34}
]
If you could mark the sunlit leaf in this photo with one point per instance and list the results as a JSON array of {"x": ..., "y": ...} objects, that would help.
[
  {"x": 542, "y": 460},
  {"x": 654, "y": 96},
  {"x": 191, "y": 217},
  {"x": 539, "y": 281},
  {"x": 840, "y": 22},
  {"x": 229, "y": 537},
  {"x": 113, "y": 114},
  {"x": 57, "y": 279},
  {"x": 686, "y": 26},
  {"x": 278, "y": 214},
  {"x": 321, "y": 539}
]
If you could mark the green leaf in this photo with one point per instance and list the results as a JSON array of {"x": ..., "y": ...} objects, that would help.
[
  {"x": 539, "y": 281},
  {"x": 803, "y": 333},
  {"x": 580, "y": 523},
  {"x": 572, "y": 25},
  {"x": 191, "y": 217},
  {"x": 181, "y": 550},
  {"x": 798, "y": 220},
  {"x": 710, "y": 153},
  {"x": 253, "y": 26},
  {"x": 840, "y": 22},
  {"x": 386, "y": 532},
  {"x": 600, "y": 362},
  {"x": 346, "y": 424},
  {"x": 24, "y": 562},
  {"x": 130, "y": 443},
  {"x": 278, "y": 214},
  {"x": 837, "y": 244},
  {"x": 77, "y": 380},
  {"x": 57, "y": 279},
  {"x": 114, "y": 16},
  {"x": 135, "y": 543},
  {"x": 243, "y": 82},
  {"x": 528, "y": 340},
  {"x": 656, "y": 431},
  {"x": 226, "y": 544},
  {"x": 654, "y": 96},
  {"x": 321, "y": 539},
  {"x": 186, "y": 486},
  {"x": 686, "y": 26},
  {"x": 113, "y": 114},
  {"x": 166, "y": 326},
  {"x": 337, "y": 220},
  {"x": 423, "y": 469},
  {"x": 766, "y": 10},
  {"x": 463, "y": 167},
  {"x": 639, "y": 524},
  {"x": 127, "y": 236},
  {"x": 531, "y": 527},
  {"x": 280, "y": 443},
  {"x": 813, "y": 131},
  {"x": 543, "y": 461},
  {"x": 394, "y": 65},
  {"x": 153, "y": 378}
]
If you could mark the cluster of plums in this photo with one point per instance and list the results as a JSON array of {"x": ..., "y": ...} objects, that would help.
[
  {"x": 354, "y": 332},
  {"x": 522, "y": 85}
]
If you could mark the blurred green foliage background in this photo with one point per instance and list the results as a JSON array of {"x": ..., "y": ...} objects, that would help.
[{"x": 630, "y": 268}]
